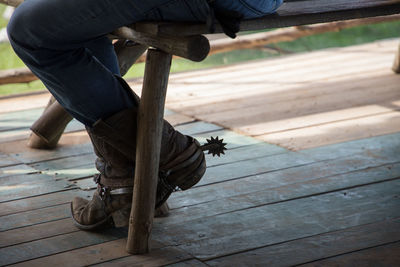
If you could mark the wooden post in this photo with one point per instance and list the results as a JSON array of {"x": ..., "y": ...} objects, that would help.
[
  {"x": 396, "y": 64},
  {"x": 47, "y": 130},
  {"x": 150, "y": 124}
]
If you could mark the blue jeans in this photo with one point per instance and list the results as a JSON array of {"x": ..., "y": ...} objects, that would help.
[{"x": 64, "y": 43}]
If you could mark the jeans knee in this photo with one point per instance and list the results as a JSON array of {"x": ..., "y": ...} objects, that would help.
[
  {"x": 23, "y": 26},
  {"x": 14, "y": 27}
]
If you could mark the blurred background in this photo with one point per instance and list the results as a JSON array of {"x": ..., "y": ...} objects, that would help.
[{"x": 346, "y": 37}]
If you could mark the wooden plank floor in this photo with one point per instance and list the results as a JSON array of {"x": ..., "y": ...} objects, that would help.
[
  {"x": 311, "y": 177},
  {"x": 299, "y": 101}
]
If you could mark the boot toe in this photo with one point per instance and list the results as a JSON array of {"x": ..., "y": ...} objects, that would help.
[
  {"x": 89, "y": 215},
  {"x": 78, "y": 204}
]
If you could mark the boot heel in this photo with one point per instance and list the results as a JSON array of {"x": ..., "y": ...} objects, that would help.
[
  {"x": 121, "y": 217},
  {"x": 194, "y": 179}
]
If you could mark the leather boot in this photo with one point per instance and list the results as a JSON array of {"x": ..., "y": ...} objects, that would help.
[
  {"x": 182, "y": 164},
  {"x": 111, "y": 203}
]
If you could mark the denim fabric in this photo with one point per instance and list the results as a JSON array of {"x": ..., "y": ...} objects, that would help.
[
  {"x": 63, "y": 42},
  {"x": 251, "y": 8}
]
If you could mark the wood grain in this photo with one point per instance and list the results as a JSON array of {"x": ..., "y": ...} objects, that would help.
[
  {"x": 295, "y": 252},
  {"x": 150, "y": 123},
  {"x": 233, "y": 232},
  {"x": 383, "y": 255}
]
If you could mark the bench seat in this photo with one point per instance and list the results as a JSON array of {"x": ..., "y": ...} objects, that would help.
[{"x": 291, "y": 13}]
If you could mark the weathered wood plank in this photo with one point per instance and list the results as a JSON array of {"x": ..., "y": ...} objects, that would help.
[
  {"x": 233, "y": 140},
  {"x": 41, "y": 201},
  {"x": 294, "y": 252},
  {"x": 24, "y": 101},
  {"x": 264, "y": 190},
  {"x": 224, "y": 234},
  {"x": 253, "y": 167},
  {"x": 189, "y": 263},
  {"x": 56, "y": 244},
  {"x": 16, "y": 170},
  {"x": 369, "y": 148},
  {"x": 331, "y": 66},
  {"x": 21, "y": 191},
  {"x": 108, "y": 251},
  {"x": 23, "y": 133},
  {"x": 197, "y": 128},
  {"x": 19, "y": 119},
  {"x": 244, "y": 153},
  {"x": 23, "y": 186},
  {"x": 178, "y": 119},
  {"x": 65, "y": 163},
  {"x": 375, "y": 147},
  {"x": 270, "y": 91},
  {"x": 378, "y": 52},
  {"x": 33, "y": 217},
  {"x": 269, "y": 88},
  {"x": 336, "y": 132},
  {"x": 264, "y": 84},
  {"x": 156, "y": 257},
  {"x": 6, "y": 160},
  {"x": 51, "y": 226},
  {"x": 36, "y": 232},
  {"x": 384, "y": 255},
  {"x": 279, "y": 116},
  {"x": 348, "y": 157},
  {"x": 30, "y": 156}
]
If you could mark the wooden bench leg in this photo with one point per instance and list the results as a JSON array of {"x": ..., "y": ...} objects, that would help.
[
  {"x": 396, "y": 64},
  {"x": 47, "y": 130},
  {"x": 150, "y": 124}
]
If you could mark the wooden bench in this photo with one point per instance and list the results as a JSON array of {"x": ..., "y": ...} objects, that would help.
[{"x": 187, "y": 40}]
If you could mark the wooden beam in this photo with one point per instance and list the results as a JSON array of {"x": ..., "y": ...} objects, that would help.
[
  {"x": 20, "y": 75},
  {"x": 13, "y": 3},
  {"x": 194, "y": 47}
]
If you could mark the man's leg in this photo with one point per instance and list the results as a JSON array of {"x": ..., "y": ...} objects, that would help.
[
  {"x": 54, "y": 39},
  {"x": 63, "y": 42}
]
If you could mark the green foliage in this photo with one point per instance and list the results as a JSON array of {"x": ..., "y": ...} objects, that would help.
[
  {"x": 9, "y": 59},
  {"x": 21, "y": 88},
  {"x": 3, "y": 22}
]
